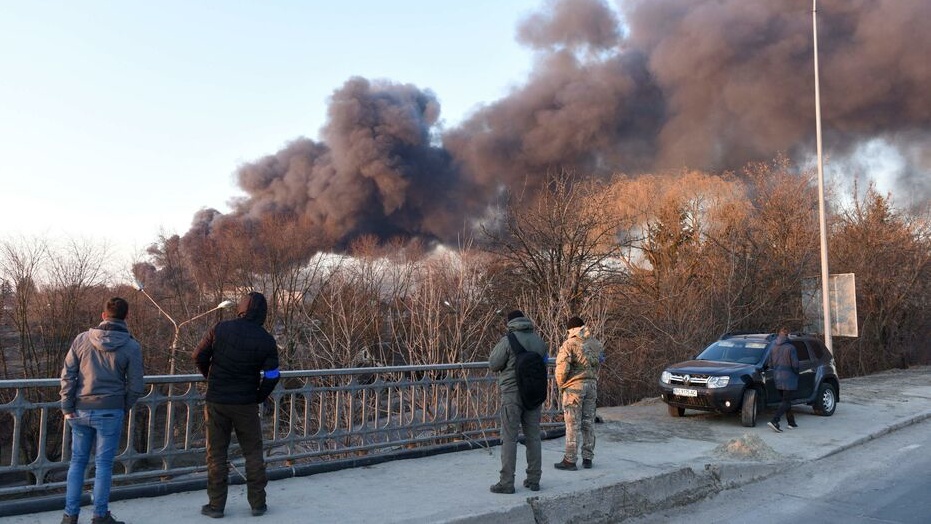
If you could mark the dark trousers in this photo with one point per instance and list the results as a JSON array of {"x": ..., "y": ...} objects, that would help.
[
  {"x": 222, "y": 419},
  {"x": 514, "y": 419},
  {"x": 785, "y": 408}
]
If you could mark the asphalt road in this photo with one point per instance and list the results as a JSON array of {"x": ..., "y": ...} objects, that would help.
[{"x": 886, "y": 480}]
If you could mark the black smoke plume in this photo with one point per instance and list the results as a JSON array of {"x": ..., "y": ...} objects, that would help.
[{"x": 651, "y": 85}]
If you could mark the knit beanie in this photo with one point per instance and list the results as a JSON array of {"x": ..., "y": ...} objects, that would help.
[
  {"x": 575, "y": 322},
  {"x": 515, "y": 314}
]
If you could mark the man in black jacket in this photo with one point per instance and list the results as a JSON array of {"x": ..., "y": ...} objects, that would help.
[{"x": 239, "y": 359}]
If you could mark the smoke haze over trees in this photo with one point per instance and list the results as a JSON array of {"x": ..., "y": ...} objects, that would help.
[
  {"x": 646, "y": 87},
  {"x": 659, "y": 266}
]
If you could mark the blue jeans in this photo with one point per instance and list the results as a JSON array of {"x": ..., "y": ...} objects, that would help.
[{"x": 105, "y": 427}]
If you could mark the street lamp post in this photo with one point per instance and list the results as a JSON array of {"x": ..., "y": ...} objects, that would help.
[
  {"x": 170, "y": 414},
  {"x": 825, "y": 284},
  {"x": 174, "y": 342}
]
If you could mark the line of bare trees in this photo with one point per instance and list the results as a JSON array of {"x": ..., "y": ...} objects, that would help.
[{"x": 660, "y": 265}]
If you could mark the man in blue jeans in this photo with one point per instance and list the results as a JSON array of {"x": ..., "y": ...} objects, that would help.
[{"x": 101, "y": 380}]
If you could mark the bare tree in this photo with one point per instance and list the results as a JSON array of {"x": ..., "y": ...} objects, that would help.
[
  {"x": 448, "y": 316},
  {"x": 21, "y": 263},
  {"x": 562, "y": 246},
  {"x": 890, "y": 253},
  {"x": 74, "y": 293}
]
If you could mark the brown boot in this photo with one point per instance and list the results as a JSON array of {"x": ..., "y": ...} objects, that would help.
[{"x": 565, "y": 465}]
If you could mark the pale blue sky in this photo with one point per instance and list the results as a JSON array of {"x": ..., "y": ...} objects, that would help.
[{"x": 121, "y": 119}]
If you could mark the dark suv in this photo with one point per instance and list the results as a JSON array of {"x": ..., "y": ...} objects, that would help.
[{"x": 732, "y": 375}]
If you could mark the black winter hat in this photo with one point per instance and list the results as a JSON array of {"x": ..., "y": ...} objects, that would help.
[
  {"x": 253, "y": 306},
  {"x": 575, "y": 322},
  {"x": 515, "y": 314}
]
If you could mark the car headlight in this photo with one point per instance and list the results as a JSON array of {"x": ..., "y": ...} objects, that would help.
[
  {"x": 666, "y": 377},
  {"x": 718, "y": 382}
]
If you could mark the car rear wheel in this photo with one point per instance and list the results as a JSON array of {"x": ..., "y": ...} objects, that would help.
[
  {"x": 748, "y": 409},
  {"x": 675, "y": 411},
  {"x": 826, "y": 401}
]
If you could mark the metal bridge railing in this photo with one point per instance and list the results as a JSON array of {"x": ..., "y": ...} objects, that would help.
[{"x": 323, "y": 419}]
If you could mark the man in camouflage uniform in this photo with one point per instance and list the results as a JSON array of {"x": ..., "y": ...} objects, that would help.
[{"x": 577, "y": 365}]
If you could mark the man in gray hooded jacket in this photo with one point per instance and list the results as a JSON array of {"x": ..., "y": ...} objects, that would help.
[
  {"x": 101, "y": 380},
  {"x": 514, "y": 417}
]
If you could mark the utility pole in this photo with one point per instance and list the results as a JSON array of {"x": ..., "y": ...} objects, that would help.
[{"x": 825, "y": 274}]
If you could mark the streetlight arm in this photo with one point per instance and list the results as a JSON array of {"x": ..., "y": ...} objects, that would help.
[
  {"x": 222, "y": 305},
  {"x": 162, "y": 311},
  {"x": 177, "y": 326}
]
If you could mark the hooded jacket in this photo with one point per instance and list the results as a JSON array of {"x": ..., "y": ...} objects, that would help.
[
  {"x": 239, "y": 358},
  {"x": 579, "y": 359},
  {"x": 502, "y": 359},
  {"x": 784, "y": 361},
  {"x": 102, "y": 370}
]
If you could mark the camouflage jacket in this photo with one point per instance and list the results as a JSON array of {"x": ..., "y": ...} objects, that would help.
[{"x": 579, "y": 359}]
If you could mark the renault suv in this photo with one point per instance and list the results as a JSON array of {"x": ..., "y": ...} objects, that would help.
[{"x": 732, "y": 375}]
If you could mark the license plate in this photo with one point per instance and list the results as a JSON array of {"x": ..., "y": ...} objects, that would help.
[{"x": 682, "y": 392}]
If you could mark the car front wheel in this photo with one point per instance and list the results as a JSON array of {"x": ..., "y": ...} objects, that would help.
[
  {"x": 748, "y": 409},
  {"x": 826, "y": 401}
]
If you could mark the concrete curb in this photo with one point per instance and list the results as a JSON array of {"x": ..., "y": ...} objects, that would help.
[
  {"x": 626, "y": 499},
  {"x": 885, "y": 431}
]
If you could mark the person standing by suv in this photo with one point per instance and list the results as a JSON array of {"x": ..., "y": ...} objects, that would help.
[
  {"x": 101, "y": 379},
  {"x": 239, "y": 359},
  {"x": 784, "y": 361},
  {"x": 577, "y": 366}
]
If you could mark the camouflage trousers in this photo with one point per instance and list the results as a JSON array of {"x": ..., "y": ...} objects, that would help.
[{"x": 578, "y": 406}]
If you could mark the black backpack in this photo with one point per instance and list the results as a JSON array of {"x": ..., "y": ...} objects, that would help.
[{"x": 530, "y": 368}]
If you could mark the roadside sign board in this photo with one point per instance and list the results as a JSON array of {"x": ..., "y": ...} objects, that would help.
[{"x": 843, "y": 295}]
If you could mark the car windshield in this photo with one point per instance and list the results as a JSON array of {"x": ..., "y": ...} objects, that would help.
[{"x": 733, "y": 350}]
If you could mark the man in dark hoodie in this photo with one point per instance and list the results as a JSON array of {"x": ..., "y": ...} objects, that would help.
[
  {"x": 239, "y": 359},
  {"x": 100, "y": 381},
  {"x": 514, "y": 417}
]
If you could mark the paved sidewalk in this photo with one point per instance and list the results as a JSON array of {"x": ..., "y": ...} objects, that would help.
[{"x": 645, "y": 460}]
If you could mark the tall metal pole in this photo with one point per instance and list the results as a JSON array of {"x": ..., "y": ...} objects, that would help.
[{"x": 825, "y": 274}]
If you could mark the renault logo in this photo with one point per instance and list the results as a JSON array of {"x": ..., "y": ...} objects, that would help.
[{"x": 687, "y": 379}]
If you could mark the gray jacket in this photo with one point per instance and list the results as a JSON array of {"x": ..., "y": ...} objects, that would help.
[
  {"x": 103, "y": 369},
  {"x": 502, "y": 359}
]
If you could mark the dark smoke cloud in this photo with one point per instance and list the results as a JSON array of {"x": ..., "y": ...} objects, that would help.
[
  {"x": 651, "y": 85},
  {"x": 375, "y": 172},
  {"x": 579, "y": 24},
  {"x": 738, "y": 76}
]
